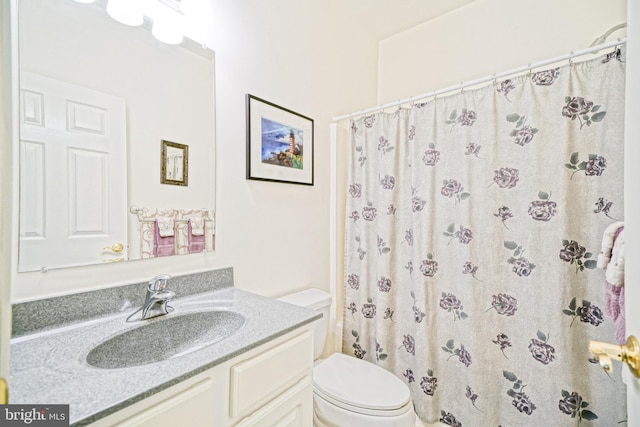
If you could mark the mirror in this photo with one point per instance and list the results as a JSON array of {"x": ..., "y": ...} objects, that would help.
[
  {"x": 174, "y": 163},
  {"x": 99, "y": 104}
]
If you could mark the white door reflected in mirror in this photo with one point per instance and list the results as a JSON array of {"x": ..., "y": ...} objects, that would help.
[{"x": 73, "y": 169}]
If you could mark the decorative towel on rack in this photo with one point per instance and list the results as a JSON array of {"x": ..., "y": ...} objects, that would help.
[
  {"x": 166, "y": 226},
  {"x": 611, "y": 258},
  {"x": 195, "y": 238},
  {"x": 197, "y": 225},
  {"x": 157, "y": 232},
  {"x": 165, "y": 231},
  {"x": 163, "y": 241},
  {"x": 183, "y": 233}
]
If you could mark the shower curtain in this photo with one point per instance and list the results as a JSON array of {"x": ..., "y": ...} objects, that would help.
[{"x": 474, "y": 223}]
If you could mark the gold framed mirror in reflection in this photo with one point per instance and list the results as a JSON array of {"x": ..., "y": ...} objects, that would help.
[
  {"x": 174, "y": 163},
  {"x": 115, "y": 83}
]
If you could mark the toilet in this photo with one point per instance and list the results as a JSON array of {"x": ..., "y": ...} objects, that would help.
[{"x": 348, "y": 391}]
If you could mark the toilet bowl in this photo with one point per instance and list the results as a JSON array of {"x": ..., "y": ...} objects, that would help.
[
  {"x": 348, "y": 391},
  {"x": 352, "y": 392}
]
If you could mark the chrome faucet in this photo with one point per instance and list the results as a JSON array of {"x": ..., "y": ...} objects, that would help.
[{"x": 158, "y": 297}]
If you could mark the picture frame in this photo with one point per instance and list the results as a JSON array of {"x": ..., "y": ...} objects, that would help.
[
  {"x": 280, "y": 143},
  {"x": 174, "y": 163}
]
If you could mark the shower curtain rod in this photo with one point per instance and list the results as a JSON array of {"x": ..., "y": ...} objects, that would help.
[{"x": 463, "y": 85}]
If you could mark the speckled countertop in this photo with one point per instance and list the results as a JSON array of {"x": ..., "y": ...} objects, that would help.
[{"x": 48, "y": 365}]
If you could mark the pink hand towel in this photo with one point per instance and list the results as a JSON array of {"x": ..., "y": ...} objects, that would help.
[
  {"x": 162, "y": 246},
  {"x": 615, "y": 309},
  {"x": 195, "y": 243}
]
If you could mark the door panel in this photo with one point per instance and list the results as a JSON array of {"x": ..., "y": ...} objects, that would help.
[{"x": 73, "y": 174}]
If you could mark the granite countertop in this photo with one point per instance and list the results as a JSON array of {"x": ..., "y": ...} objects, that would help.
[{"x": 49, "y": 366}]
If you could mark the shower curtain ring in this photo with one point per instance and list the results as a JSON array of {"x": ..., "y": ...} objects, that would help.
[
  {"x": 530, "y": 71},
  {"x": 571, "y": 59},
  {"x": 461, "y": 87},
  {"x": 495, "y": 79}
]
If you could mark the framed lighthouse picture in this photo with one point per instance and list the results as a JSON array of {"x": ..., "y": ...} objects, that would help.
[{"x": 279, "y": 143}]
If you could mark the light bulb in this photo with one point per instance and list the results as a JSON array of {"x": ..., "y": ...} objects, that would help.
[
  {"x": 168, "y": 25},
  {"x": 123, "y": 12},
  {"x": 167, "y": 31}
]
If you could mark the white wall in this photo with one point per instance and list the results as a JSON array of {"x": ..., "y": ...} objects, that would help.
[
  {"x": 6, "y": 183},
  {"x": 305, "y": 56},
  {"x": 632, "y": 203},
  {"x": 487, "y": 37}
]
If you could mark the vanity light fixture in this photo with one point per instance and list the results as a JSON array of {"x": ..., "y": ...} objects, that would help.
[
  {"x": 167, "y": 16},
  {"x": 167, "y": 25},
  {"x": 124, "y": 12},
  {"x": 167, "y": 31}
]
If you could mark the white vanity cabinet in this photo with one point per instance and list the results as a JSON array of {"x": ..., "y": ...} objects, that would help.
[{"x": 270, "y": 385}]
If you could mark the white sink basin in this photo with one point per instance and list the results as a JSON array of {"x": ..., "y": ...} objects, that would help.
[{"x": 165, "y": 338}]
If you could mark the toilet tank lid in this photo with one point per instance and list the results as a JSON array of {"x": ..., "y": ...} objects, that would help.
[{"x": 310, "y": 298}]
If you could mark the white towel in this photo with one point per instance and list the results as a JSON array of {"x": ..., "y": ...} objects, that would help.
[
  {"x": 197, "y": 225},
  {"x": 607, "y": 244},
  {"x": 615, "y": 269},
  {"x": 612, "y": 259},
  {"x": 166, "y": 226}
]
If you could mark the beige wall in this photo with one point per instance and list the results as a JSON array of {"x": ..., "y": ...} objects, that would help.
[{"x": 487, "y": 37}]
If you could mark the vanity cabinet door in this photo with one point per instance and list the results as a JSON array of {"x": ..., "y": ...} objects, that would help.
[
  {"x": 293, "y": 408},
  {"x": 193, "y": 404},
  {"x": 261, "y": 378}
]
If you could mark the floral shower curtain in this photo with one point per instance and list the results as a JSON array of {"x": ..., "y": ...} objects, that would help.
[{"x": 474, "y": 223}]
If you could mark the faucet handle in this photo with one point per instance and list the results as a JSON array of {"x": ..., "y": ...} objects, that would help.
[{"x": 159, "y": 282}]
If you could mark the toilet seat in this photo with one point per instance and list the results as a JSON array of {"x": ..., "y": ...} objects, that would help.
[{"x": 360, "y": 386}]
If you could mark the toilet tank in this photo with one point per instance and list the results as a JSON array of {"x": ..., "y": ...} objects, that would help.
[{"x": 319, "y": 301}]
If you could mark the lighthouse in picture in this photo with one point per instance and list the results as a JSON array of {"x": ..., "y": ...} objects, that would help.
[{"x": 291, "y": 141}]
